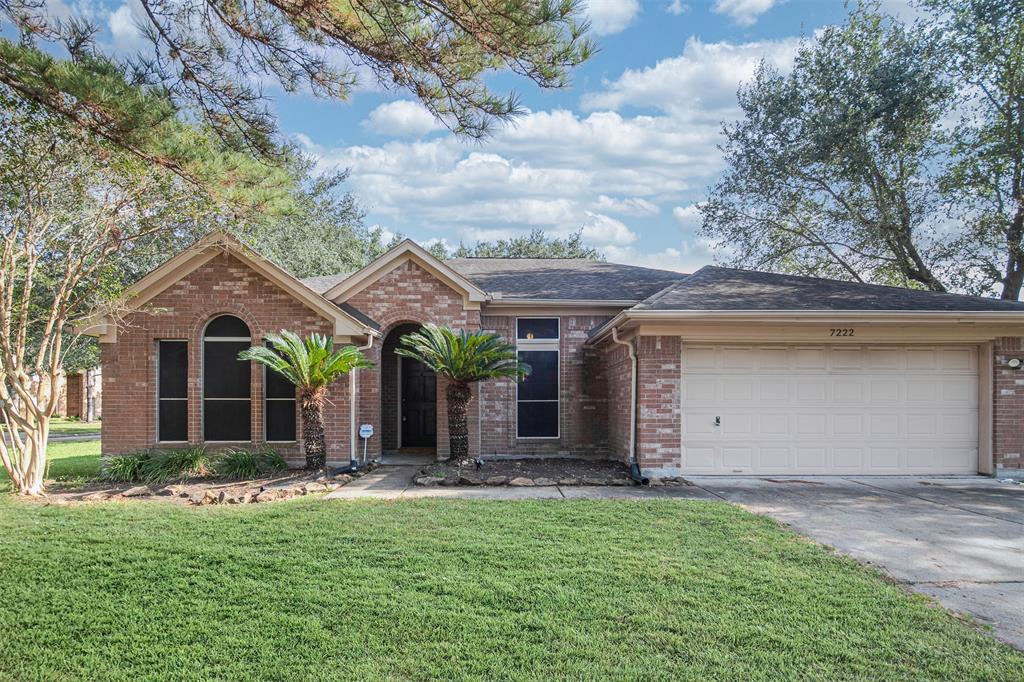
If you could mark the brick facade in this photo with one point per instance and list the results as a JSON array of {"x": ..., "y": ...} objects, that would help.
[
  {"x": 595, "y": 382},
  {"x": 224, "y": 285},
  {"x": 1008, "y": 405},
  {"x": 583, "y": 396},
  {"x": 407, "y": 294}
]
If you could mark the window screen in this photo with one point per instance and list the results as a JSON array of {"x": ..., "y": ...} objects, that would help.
[
  {"x": 172, "y": 391},
  {"x": 226, "y": 381},
  {"x": 537, "y": 406},
  {"x": 278, "y": 407}
]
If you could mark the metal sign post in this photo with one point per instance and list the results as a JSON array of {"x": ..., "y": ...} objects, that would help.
[{"x": 365, "y": 432}]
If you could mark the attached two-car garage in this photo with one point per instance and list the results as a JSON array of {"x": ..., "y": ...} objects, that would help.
[{"x": 833, "y": 409}]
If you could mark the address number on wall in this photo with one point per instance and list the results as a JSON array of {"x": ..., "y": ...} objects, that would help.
[{"x": 845, "y": 331}]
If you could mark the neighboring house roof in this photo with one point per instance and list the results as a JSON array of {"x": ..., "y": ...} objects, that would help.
[
  {"x": 724, "y": 289},
  {"x": 563, "y": 278}
]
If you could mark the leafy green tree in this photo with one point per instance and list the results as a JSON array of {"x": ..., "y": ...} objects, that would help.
[
  {"x": 833, "y": 169},
  {"x": 983, "y": 185},
  {"x": 463, "y": 358},
  {"x": 211, "y": 59},
  {"x": 312, "y": 365},
  {"x": 534, "y": 245},
  {"x": 73, "y": 212}
]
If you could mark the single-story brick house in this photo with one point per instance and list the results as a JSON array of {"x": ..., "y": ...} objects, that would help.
[{"x": 720, "y": 372}]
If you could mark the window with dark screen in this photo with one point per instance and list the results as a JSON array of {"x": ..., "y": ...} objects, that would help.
[
  {"x": 278, "y": 407},
  {"x": 172, "y": 391},
  {"x": 227, "y": 414},
  {"x": 537, "y": 406}
]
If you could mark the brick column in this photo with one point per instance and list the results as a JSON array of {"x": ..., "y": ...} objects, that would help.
[
  {"x": 659, "y": 423},
  {"x": 1008, "y": 408}
]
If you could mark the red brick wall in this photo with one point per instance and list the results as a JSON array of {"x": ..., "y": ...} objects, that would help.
[
  {"x": 224, "y": 285},
  {"x": 619, "y": 377},
  {"x": 583, "y": 396},
  {"x": 74, "y": 390},
  {"x": 409, "y": 294},
  {"x": 658, "y": 431},
  {"x": 1008, "y": 405}
]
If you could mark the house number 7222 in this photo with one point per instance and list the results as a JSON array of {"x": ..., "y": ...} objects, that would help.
[{"x": 840, "y": 332}]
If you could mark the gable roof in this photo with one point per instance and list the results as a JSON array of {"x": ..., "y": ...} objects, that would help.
[
  {"x": 348, "y": 286},
  {"x": 563, "y": 278},
  {"x": 205, "y": 250},
  {"x": 730, "y": 289}
]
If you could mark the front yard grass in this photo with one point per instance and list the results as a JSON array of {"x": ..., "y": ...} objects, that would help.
[
  {"x": 69, "y": 462},
  {"x": 446, "y": 589}
]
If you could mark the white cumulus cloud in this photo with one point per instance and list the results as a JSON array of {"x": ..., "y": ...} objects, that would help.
[
  {"x": 677, "y": 7},
  {"x": 402, "y": 118},
  {"x": 611, "y": 16},
  {"x": 743, "y": 12}
]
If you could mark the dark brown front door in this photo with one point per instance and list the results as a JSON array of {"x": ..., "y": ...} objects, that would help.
[{"x": 419, "y": 405}]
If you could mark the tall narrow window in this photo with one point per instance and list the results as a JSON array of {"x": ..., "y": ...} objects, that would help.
[
  {"x": 226, "y": 381},
  {"x": 537, "y": 397},
  {"x": 278, "y": 408},
  {"x": 172, "y": 391}
]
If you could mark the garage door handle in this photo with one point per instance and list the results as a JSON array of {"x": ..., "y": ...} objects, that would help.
[{"x": 718, "y": 421}]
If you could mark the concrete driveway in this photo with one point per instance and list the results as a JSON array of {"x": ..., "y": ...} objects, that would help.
[{"x": 960, "y": 540}]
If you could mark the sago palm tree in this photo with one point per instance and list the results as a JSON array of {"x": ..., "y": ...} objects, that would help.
[
  {"x": 312, "y": 365},
  {"x": 463, "y": 358}
]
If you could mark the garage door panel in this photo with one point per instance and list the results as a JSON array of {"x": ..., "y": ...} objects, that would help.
[{"x": 829, "y": 409}]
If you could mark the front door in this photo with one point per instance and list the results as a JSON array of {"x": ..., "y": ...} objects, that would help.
[{"x": 419, "y": 405}]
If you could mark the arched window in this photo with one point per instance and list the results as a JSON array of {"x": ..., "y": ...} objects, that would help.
[{"x": 226, "y": 381}]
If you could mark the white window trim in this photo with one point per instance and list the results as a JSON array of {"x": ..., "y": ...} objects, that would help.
[
  {"x": 542, "y": 345},
  {"x": 159, "y": 399},
  {"x": 202, "y": 383},
  {"x": 295, "y": 404}
]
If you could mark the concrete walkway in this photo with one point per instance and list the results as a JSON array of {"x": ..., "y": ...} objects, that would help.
[{"x": 959, "y": 540}]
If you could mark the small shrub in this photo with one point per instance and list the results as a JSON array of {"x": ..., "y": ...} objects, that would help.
[
  {"x": 171, "y": 465},
  {"x": 124, "y": 468},
  {"x": 242, "y": 464}
]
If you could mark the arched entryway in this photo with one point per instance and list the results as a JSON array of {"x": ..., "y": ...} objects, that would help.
[{"x": 408, "y": 398}]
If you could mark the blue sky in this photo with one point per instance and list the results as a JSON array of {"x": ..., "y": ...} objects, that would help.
[{"x": 625, "y": 153}]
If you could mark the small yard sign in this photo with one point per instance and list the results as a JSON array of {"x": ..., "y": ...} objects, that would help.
[{"x": 366, "y": 430}]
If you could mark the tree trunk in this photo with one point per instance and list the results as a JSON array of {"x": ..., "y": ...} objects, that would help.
[
  {"x": 313, "y": 442},
  {"x": 459, "y": 396}
]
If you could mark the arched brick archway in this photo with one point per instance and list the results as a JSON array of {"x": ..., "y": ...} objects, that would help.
[{"x": 408, "y": 398}]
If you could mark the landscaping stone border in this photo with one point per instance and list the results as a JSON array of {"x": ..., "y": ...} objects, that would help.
[{"x": 424, "y": 477}]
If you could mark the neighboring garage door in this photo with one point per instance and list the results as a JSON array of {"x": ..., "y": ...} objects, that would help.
[{"x": 829, "y": 409}]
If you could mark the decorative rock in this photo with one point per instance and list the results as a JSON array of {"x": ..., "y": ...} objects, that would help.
[
  {"x": 655, "y": 482},
  {"x": 620, "y": 481},
  {"x": 96, "y": 497},
  {"x": 137, "y": 491},
  {"x": 522, "y": 482},
  {"x": 496, "y": 480},
  {"x": 268, "y": 496},
  {"x": 568, "y": 481},
  {"x": 466, "y": 479},
  {"x": 331, "y": 487},
  {"x": 170, "y": 490},
  {"x": 314, "y": 487},
  {"x": 543, "y": 481},
  {"x": 429, "y": 480},
  {"x": 210, "y": 497},
  {"x": 595, "y": 481},
  {"x": 343, "y": 478}
]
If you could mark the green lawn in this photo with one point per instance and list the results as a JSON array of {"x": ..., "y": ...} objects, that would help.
[
  {"x": 445, "y": 589},
  {"x": 70, "y": 462},
  {"x": 71, "y": 427}
]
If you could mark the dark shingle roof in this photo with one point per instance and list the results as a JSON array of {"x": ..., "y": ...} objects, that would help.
[
  {"x": 563, "y": 278},
  {"x": 715, "y": 288},
  {"x": 324, "y": 282}
]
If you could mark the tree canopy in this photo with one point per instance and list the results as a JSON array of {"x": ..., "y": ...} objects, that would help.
[
  {"x": 211, "y": 60},
  {"x": 891, "y": 153},
  {"x": 537, "y": 244}
]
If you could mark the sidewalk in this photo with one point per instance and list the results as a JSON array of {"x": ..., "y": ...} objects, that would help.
[{"x": 391, "y": 482}]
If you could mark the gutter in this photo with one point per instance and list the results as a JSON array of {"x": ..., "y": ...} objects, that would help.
[{"x": 634, "y": 466}]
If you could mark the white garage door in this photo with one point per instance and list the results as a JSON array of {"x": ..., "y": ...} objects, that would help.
[{"x": 829, "y": 410}]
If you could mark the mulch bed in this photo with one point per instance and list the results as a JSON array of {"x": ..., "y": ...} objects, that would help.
[{"x": 533, "y": 472}]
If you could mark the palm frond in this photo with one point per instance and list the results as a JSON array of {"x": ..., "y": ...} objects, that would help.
[
  {"x": 463, "y": 356},
  {"x": 310, "y": 364}
]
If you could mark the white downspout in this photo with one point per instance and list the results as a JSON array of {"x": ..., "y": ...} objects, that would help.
[
  {"x": 352, "y": 430},
  {"x": 632, "y": 393}
]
